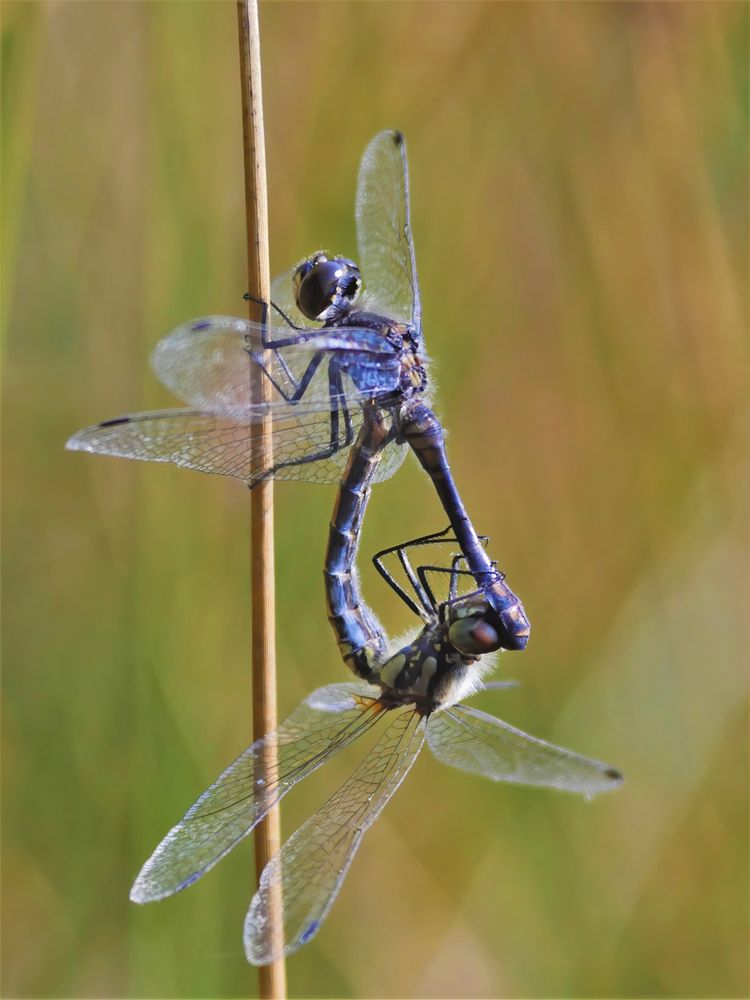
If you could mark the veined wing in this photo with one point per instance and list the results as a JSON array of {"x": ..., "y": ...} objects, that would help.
[
  {"x": 311, "y": 866},
  {"x": 207, "y": 363},
  {"x": 328, "y": 720},
  {"x": 227, "y": 446},
  {"x": 386, "y": 249},
  {"x": 474, "y": 741}
]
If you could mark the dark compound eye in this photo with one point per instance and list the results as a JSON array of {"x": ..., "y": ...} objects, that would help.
[
  {"x": 317, "y": 288},
  {"x": 473, "y": 636},
  {"x": 304, "y": 269},
  {"x": 320, "y": 283}
]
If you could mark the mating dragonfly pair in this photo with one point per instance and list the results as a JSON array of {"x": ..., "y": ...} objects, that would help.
[
  {"x": 348, "y": 396},
  {"x": 357, "y": 385}
]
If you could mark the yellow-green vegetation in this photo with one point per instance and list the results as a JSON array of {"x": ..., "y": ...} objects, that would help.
[{"x": 580, "y": 216}]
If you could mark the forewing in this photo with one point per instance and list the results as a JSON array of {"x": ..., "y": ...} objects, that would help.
[
  {"x": 384, "y": 236},
  {"x": 208, "y": 364},
  {"x": 328, "y": 720},
  {"x": 474, "y": 741},
  {"x": 311, "y": 866}
]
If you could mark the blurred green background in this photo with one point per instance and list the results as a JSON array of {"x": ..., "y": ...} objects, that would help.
[{"x": 580, "y": 215}]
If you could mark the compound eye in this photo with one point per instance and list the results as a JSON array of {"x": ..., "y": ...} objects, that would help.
[
  {"x": 304, "y": 269},
  {"x": 325, "y": 289},
  {"x": 316, "y": 286},
  {"x": 473, "y": 636}
]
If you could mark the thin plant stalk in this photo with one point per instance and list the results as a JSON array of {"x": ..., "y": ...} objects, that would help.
[{"x": 272, "y": 978}]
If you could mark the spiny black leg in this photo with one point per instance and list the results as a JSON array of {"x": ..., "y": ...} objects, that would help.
[
  {"x": 303, "y": 460},
  {"x": 264, "y": 305},
  {"x": 338, "y": 406},
  {"x": 280, "y": 360},
  {"x": 423, "y": 594},
  {"x": 336, "y": 398},
  {"x": 437, "y": 536},
  {"x": 400, "y": 550},
  {"x": 453, "y": 572},
  {"x": 346, "y": 414},
  {"x": 301, "y": 338},
  {"x": 426, "y": 586},
  {"x": 299, "y": 387},
  {"x": 395, "y": 586},
  {"x": 259, "y": 302},
  {"x": 304, "y": 333},
  {"x": 418, "y": 581},
  {"x": 424, "y": 597},
  {"x": 444, "y": 537},
  {"x": 264, "y": 323}
]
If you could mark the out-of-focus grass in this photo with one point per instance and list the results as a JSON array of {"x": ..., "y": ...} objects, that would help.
[{"x": 580, "y": 212}]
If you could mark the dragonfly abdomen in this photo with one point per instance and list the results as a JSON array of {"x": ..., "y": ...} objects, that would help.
[
  {"x": 421, "y": 430},
  {"x": 360, "y": 637}
]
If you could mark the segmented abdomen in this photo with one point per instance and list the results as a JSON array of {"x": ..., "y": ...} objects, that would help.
[{"x": 360, "y": 637}]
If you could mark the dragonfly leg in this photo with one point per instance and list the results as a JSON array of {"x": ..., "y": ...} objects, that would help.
[
  {"x": 264, "y": 306},
  {"x": 303, "y": 332},
  {"x": 444, "y": 537},
  {"x": 398, "y": 589},
  {"x": 299, "y": 387},
  {"x": 270, "y": 345},
  {"x": 453, "y": 572},
  {"x": 420, "y": 587},
  {"x": 347, "y": 417},
  {"x": 378, "y": 561},
  {"x": 339, "y": 411}
]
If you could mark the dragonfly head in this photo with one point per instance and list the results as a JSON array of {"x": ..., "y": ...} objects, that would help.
[
  {"x": 487, "y": 619},
  {"x": 325, "y": 287},
  {"x": 470, "y": 627}
]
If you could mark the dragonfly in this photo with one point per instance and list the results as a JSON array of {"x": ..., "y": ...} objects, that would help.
[
  {"x": 355, "y": 386},
  {"x": 416, "y": 699}
]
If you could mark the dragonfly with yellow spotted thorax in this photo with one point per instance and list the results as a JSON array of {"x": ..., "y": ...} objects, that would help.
[{"x": 414, "y": 695}]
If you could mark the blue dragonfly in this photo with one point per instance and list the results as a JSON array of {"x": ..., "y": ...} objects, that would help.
[
  {"x": 414, "y": 696},
  {"x": 349, "y": 394}
]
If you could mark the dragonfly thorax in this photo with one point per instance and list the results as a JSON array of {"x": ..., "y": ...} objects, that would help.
[
  {"x": 326, "y": 287},
  {"x": 441, "y": 664}
]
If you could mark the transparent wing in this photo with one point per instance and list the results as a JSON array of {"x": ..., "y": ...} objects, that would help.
[
  {"x": 384, "y": 237},
  {"x": 224, "y": 446},
  {"x": 328, "y": 719},
  {"x": 311, "y": 866},
  {"x": 393, "y": 455},
  {"x": 207, "y": 363},
  {"x": 194, "y": 439},
  {"x": 473, "y": 741}
]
